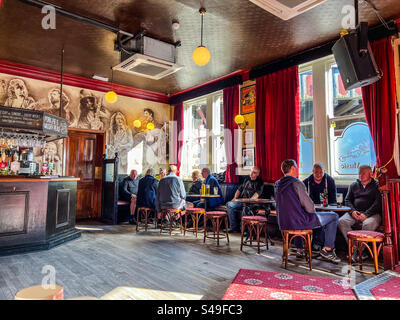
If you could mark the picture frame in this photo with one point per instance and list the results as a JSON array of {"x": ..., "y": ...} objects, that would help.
[
  {"x": 248, "y": 99},
  {"x": 249, "y": 138},
  {"x": 248, "y": 158}
]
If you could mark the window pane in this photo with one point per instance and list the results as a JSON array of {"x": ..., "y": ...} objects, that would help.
[
  {"x": 198, "y": 120},
  {"x": 345, "y": 102},
  {"x": 306, "y": 122},
  {"x": 219, "y": 155},
  {"x": 352, "y": 147}
]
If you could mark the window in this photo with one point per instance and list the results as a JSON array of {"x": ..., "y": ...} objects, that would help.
[
  {"x": 351, "y": 143},
  {"x": 333, "y": 125},
  {"x": 306, "y": 124},
  {"x": 203, "y": 135}
]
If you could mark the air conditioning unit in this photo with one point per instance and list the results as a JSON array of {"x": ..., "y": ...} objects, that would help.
[
  {"x": 287, "y": 9},
  {"x": 152, "y": 58}
]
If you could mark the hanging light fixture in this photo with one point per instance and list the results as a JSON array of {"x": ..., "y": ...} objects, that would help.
[
  {"x": 150, "y": 126},
  {"x": 111, "y": 96},
  {"x": 201, "y": 56},
  {"x": 137, "y": 123}
]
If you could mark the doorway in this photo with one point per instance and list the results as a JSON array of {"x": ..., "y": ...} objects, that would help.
[{"x": 84, "y": 151}]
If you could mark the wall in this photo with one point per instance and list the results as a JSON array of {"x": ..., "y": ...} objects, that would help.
[{"x": 88, "y": 109}]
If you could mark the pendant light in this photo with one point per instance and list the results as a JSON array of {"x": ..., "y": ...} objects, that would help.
[
  {"x": 201, "y": 56},
  {"x": 111, "y": 96}
]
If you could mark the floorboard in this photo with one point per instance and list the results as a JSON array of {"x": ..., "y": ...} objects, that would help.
[{"x": 106, "y": 257}]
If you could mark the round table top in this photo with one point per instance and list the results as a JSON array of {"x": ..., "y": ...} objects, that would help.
[
  {"x": 204, "y": 195},
  {"x": 255, "y": 201},
  {"x": 334, "y": 208}
]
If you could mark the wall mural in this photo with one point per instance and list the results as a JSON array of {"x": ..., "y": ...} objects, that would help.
[{"x": 88, "y": 109}]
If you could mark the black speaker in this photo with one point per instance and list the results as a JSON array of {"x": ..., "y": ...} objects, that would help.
[{"x": 357, "y": 67}]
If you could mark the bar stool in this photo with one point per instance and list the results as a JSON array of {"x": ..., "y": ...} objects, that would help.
[
  {"x": 40, "y": 293},
  {"x": 146, "y": 212},
  {"x": 361, "y": 238},
  {"x": 171, "y": 213},
  {"x": 195, "y": 214},
  {"x": 216, "y": 218},
  {"x": 288, "y": 236},
  {"x": 256, "y": 224}
]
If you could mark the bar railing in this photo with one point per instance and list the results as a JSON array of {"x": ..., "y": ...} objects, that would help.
[{"x": 391, "y": 223}]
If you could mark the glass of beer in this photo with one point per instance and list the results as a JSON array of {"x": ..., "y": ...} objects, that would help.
[
  {"x": 207, "y": 189},
  {"x": 215, "y": 190},
  {"x": 339, "y": 199},
  {"x": 203, "y": 189}
]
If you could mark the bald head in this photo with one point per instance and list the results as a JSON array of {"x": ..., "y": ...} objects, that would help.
[{"x": 133, "y": 174}]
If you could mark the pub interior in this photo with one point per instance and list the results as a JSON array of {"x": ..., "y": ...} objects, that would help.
[{"x": 199, "y": 150}]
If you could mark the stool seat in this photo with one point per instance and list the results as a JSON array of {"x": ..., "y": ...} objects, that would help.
[
  {"x": 364, "y": 234},
  {"x": 123, "y": 203},
  {"x": 195, "y": 210},
  {"x": 298, "y": 232},
  {"x": 40, "y": 293},
  {"x": 216, "y": 214},
  {"x": 254, "y": 218},
  {"x": 172, "y": 210},
  {"x": 171, "y": 214}
]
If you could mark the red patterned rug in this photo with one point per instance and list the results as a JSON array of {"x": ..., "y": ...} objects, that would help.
[
  {"x": 384, "y": 286},
  {"x": 263, "y": 285}
]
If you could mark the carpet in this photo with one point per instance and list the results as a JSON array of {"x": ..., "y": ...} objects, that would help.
[
  {"x": 384, "y": 286},
  {"x": 263, "y": 285}
]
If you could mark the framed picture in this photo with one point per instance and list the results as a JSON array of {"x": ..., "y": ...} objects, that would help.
[
  {"x": 249, "y": 138},
  {"x": 248, "y": 99},
  {"x": 248, "y": 158}
]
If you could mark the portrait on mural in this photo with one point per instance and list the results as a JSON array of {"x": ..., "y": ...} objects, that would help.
[
  {"x": 18, "y": 95},
  {"x": 93, "y": 114}
]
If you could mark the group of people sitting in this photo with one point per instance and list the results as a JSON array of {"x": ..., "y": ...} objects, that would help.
[
  {"x": 295, "y": 200},
  {"x": 295, "y": 205}
]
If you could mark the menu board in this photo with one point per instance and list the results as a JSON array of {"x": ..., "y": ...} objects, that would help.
[{"x": 23, "y": 119}]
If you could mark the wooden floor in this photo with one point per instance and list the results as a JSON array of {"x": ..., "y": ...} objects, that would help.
[{"x": 106, "y": 257}]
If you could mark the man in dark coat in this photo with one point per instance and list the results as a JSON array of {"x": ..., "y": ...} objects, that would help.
[
  {"x": 148, "y": 185},
  {"x": 296, "y": 211},
  {"x": 129, "y": 190}
]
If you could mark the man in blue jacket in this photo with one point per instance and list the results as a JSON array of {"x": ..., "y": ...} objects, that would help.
[
  {"x": 210, "y": 180},
  {"x": 296, "y": 211},
  {"x": 148, "y": 185}
]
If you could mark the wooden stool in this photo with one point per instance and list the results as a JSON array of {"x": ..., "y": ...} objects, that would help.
[
  {"x": 216, "y": 218},
  {"x": 360, "y": 238},
  {"x": 256, "y": 224},
  {"x": 288, "y": 236},
  {"x": 40, "y": 293},
  {"x": 196, "y": 214},
  {"x": 146, "y": 212},
  {"x": 171, "y": 213}
]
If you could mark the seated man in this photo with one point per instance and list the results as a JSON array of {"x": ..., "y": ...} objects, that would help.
[
  {"x": 195, "y": 188},
  {"x": 129, "y": 190},
  {"x": 295, "y": 209},
  {"x": 210, "y": 180},
  {"x": 250, "y": 188},
  {"x": 365, "y": 201},
  {"x": 148, "y": 185},
  {"x": 317, "y": 183},
  {"x": 171, "y": 192}
]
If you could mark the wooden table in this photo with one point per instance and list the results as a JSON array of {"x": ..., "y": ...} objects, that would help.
[
  {"x": 204, "y": 196},
  {"x": 334, "y": 208}
]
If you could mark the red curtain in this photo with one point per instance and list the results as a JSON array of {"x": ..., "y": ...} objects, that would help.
[
  {"x": 379, "y": 101},
  {"x": 178, "y": 135},
  {"x": 231, "y": 109},
  {"x": 277, "y": 121}
]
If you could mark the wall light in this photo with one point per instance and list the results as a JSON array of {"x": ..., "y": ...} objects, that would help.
[{"x": 240, "y": 121}]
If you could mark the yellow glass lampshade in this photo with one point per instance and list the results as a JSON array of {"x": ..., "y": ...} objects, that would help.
[
  {"x": 111, "y": 97},
  {"x": 150, "y": 126},
  {"x": 137, "y": 123},
  {"x": 239, "y": 119},
  {"x": 201, "y": 56}
]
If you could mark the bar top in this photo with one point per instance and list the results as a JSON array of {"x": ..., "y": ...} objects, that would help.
[{"x": 23, "y": 179}]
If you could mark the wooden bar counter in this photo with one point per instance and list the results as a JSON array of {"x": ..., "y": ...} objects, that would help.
[{"x": 36, "y": 214}]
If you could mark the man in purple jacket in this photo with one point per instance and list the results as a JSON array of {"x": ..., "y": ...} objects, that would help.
[{"x": 296, "y": 211}]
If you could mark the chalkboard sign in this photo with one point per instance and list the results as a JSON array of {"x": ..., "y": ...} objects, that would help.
[{"x": 39, "y": 121}]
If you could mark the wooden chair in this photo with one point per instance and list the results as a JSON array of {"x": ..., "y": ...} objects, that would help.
[
  {"x": 254, "y": 224},
  {"x": 360, "y": 239},
  {"x": 216, "y": 218},
  {"x": 40, "y": 293},
  {"x": 289, "y": 235},
  {"x": 170, "y": 214},
  {"x": 195, "y": 214},
  {"x": 146, "y": 212}
]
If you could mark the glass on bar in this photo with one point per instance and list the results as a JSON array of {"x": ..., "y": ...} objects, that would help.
[{"x": 339, "y": 199}]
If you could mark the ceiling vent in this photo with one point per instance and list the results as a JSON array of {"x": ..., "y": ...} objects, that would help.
[
  {"x": 148, "y": 57},
  {"x": 287, "y": 9}
]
